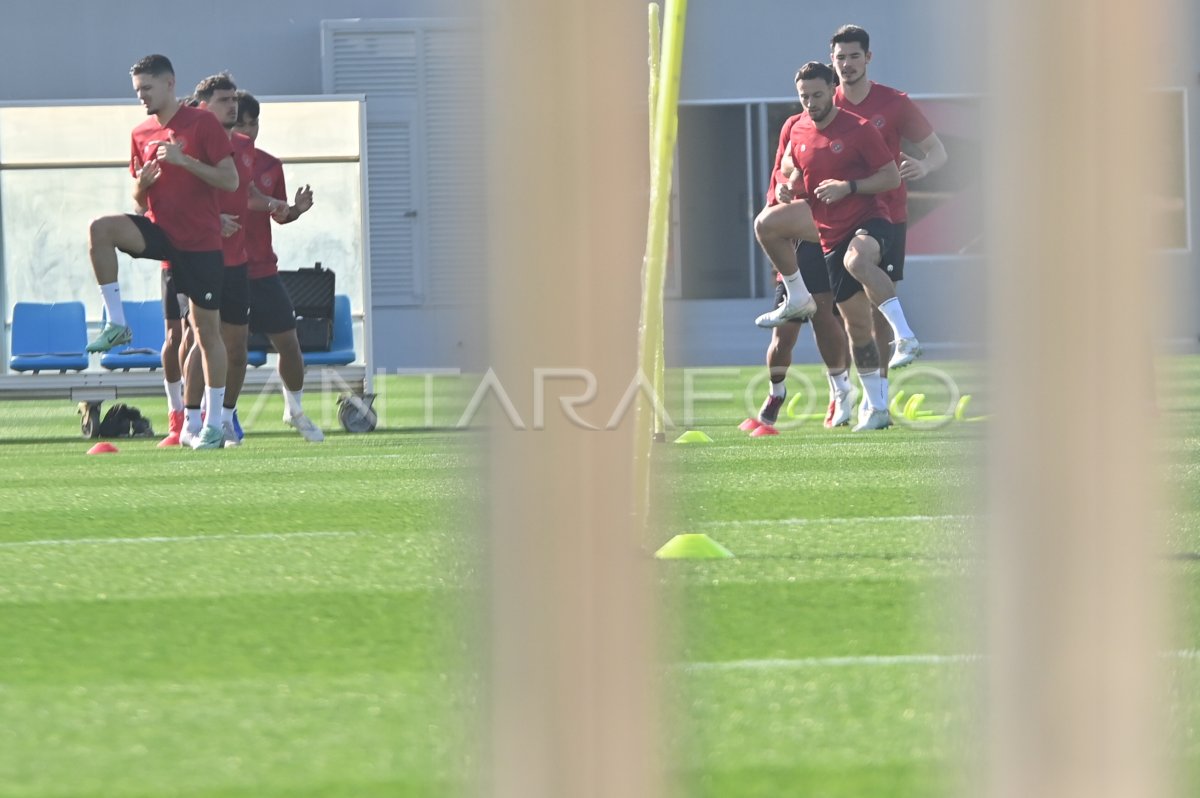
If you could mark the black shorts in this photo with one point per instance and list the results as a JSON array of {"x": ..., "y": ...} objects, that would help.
[
  {"x": 170, "y": 298},
  {"x": 811, "y": 263},
  {"x": 196, "y": 274},
  {"x": 810, "y": 260},
  {"x": 271, "y": 308},
  {"x": 894, "y": 263},
  {"x": 843, "y": 285},
  {"x": 235, "y": 296}
]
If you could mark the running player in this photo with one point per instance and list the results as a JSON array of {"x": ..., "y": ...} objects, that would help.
[
  {"x": 897, "y": 117},
  {"x": 842, "y": 166},
  {"x": 181, "y": 159},
  {"x": 271, "y": 310}
]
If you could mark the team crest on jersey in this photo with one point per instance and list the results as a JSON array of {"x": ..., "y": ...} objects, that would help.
[
  {"x": 837, "y": 146},
  {"x": 266, "y": 181},
  {"x": 247, "y": 161},
  {"x": 878, "y": 120}
]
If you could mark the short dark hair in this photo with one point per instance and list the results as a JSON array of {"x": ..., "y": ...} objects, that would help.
[
  {"x": 155, "y": 65},
  {"x": 247, "y": 105},
  {"x": 815, "y": 70},
  {"x": 847, "y": 34},
  {"x": 222, "y": 81}
]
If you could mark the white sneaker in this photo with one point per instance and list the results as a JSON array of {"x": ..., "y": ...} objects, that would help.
[
  {"x": 305, "y": 426},
  {"x": 231, "y": 437},
  {"x": 209, "y": 438},
  {"x": 186, "y": 436},
  {"x": 863, "y": 410},
  {"x": 876, "y": 419},
  {"x": 787, "y": 312},
  {"x": 905, "y": 351},
  {"x": 840, "y": 410}
]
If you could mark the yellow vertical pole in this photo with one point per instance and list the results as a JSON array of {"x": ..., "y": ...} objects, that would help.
[{"x": 664, "y": 127}]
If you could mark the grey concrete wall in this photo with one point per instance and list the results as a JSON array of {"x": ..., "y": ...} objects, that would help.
[
  {"x": 1185, "y": 312},
  {"x": 65, "y": 49},
  {"x": 752, "y": 48}
]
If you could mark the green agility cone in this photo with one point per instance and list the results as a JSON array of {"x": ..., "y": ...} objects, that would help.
[{"x": 692, "y": 547}]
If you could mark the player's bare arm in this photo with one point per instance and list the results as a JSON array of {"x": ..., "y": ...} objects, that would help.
[
  {"x": 229, "y": 224},
  {"x": 222, "y": 176},
  {"x": 935, "y": 158},
  {"x": 302, "y": 203},
  {"x": 141, "y": 186},
  {"x": 304, "y": 199},
  {"x": 259, "y": 201},
  {"x": 886, "y": 179},
  {"x": 786, "y": 189}
]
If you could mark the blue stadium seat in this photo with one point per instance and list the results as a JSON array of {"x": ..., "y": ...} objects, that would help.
[
  {"x": 49, "y": 337},
  {"x": 145, "y": 350},
  {"x": 256, "y": 357},
  {"x": 341, "y": 348}
]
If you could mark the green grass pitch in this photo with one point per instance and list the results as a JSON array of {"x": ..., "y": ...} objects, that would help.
[{"x": 288, "y": 619}]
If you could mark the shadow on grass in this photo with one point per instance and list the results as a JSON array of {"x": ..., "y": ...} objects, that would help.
[{"x": 251, "y": 434}]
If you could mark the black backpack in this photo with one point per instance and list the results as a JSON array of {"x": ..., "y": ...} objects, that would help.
[{"x": 123, "y": 421}]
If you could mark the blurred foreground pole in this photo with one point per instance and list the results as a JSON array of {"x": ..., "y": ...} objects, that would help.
[
  {"x": 1075, "y": 632},
  {"x": 572, "y": 708}
]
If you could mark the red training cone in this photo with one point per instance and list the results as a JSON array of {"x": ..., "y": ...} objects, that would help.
[
  {"x": 764, "y": 430},
  {"x": 103, "y": 447},
  {"x": 749, "y": 425}
]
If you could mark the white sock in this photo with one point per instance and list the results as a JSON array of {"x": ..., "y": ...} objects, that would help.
[
  {"x": 883, "y": 391},
  {"x": 293, "y": 401},
  {"x": 111, "y": 294},
  {"x": 215, "y": 397},
  {"x": 174, "y": 395},
  {"x": 191, "y": 419},
  {"x": 796, "y": 290},
  {"x": 779, "y": 388},
  {"x": 871, "y": 389},
  {"x": 839, "y": 383},
  {"x": 894, "y": 314},
  {"x": 227, "y": 414}
]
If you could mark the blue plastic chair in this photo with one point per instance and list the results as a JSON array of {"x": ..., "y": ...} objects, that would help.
[
  {"x": 341, "y": 348},
  {"x": 49, "y": 337},
  {"x": 145, "y": 350}
]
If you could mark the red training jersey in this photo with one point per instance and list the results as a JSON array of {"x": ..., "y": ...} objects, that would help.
[
  {"x": 897, "y": 117},
  {"x": 268, "y": 176},
  {"x": 848, "y": 148},
  {"x": 183, "y": 205},
  {"x": 236, "y": 203}
]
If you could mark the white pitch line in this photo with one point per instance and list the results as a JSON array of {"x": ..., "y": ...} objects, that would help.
[
  {"x": 862, "y": 661},
  {"x": 838, "y": 520},
  {"x": 64, "y": 542}
]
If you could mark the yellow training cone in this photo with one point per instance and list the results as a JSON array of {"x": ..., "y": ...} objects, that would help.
[{"x": 692, "y": 547}]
